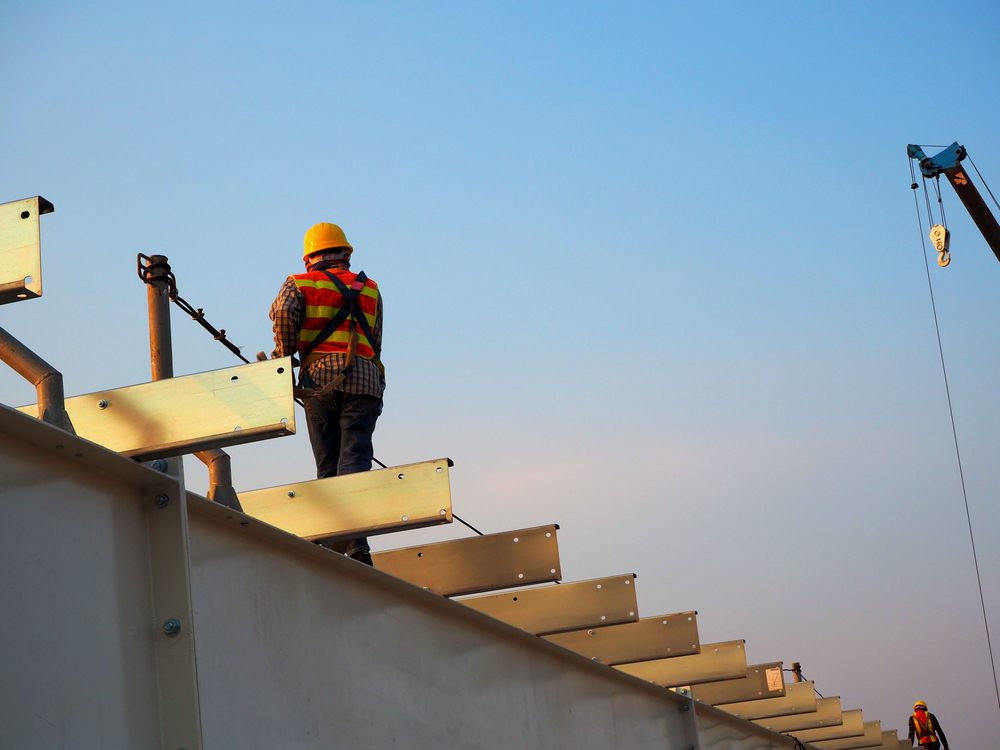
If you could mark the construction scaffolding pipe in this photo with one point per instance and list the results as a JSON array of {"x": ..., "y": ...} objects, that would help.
[
  {"x": 161, "y": 358},
  {"x": 220, "y": 477},
  {"x": 46, "y": 379}
]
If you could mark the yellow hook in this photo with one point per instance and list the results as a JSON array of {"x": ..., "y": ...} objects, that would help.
[{"x": 944, "y": 258}]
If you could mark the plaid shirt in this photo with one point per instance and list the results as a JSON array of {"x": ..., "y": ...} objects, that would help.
[{"x": 287, "y": 312}]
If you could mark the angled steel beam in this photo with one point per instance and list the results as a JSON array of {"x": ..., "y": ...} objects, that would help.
[
  {"x": 192, "y": 413},
  {"x": 366, "y": 503},
  {"x": 799, "y": 698},
  {"x": 905, "y": 745},
  {"x": 479, "y": 563},
  {"x": 716, "y": 661},
  {"x": 762, "y": 681},
  {"x": 649, "y": 638},
  {"x": 871, "y": 738},
  {"x": 890, "y": 741},
  {"x": 21, "y": 250},
  {"x": 569, "y": 606},
  {"x": 827, "y": 714},
  {"x": 852, "y": 725}
]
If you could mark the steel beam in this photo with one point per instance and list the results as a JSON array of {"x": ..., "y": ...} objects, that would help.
[
  {"x": 827, "y": 714},
  {"x": 890, "y": 741},
  {"x": 872, "y": 737},
  {"x": 762, "y": 681},
  {"x": 799, "y": 698},
  {"x": 852, "y": 725},
  {"x": 478, "y": 563},
  {"x": 362, "y": 504},
  {"x": 649, "y": 638},
  {"x": 569, "y": 606},
  {"x": 21, "y": 250},
  {"x": 716, "y": 661},
  {"x": 192, "y": 413}
]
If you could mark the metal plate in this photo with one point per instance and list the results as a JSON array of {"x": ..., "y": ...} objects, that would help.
[
  {"x": 871, "y": 738},
  {"x": 716, "y": 661},
  {"x": 827, "y": 715},
  {"x": 369, "y": 502},
  {"x": 649, "y": 638},
  {"x": 569, "y": 606},
  {"x": 890, "y": 741},
  {"x": 762, "y": 681},
  {"x": 477, "y": 564},
  {"x": 20, "y": 249},
  {"x": 190, "y": 413},
  {"x": 852, "y": 725},
  {"x": 799, "y": 698}
]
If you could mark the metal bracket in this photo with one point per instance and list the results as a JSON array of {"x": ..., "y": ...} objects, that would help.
[{"x": 21, "y": 250}]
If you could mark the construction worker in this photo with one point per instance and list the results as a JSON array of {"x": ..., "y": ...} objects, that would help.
[
  {"x": 331, "y": 319},
  {"x": 925, "y": 728}
]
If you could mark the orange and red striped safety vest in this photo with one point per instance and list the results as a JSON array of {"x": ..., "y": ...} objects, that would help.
[
  {"x": 325, "y": 301},
  {"x": 925, "y": 728}
]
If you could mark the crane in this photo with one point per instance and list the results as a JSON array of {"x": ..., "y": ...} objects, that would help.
[{"x": 948, "y": 163}]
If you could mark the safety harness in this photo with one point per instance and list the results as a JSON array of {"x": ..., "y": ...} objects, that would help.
[
  {"x": 925, "y": 728},
  {"x": 350, "y": 309}
]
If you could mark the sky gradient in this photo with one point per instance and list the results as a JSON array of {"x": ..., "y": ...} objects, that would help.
[{"x": 651, "y": 272}]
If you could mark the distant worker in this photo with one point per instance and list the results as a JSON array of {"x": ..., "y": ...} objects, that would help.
[
  {"x": 925, "y": 728},
  {"x": 331, "y": 319}
]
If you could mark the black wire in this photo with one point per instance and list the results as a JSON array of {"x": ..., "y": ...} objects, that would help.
[
  {"x": 467, "y": 524},
  {"x": 984, "y": 182},
  {"x": 937, "y": 190},
  {"x": 958, "y": 454}
]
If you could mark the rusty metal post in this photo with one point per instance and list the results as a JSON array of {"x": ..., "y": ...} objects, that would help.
[
  {"x": 220, "y": 476},
  {"x": 46, "y": 379},
  {"x": 161, "y": 357},
  {"x": 161, "y": 353},
  {"x": 797, "y": 671}
]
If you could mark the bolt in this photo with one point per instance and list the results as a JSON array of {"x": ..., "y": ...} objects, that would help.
[
  {"x": 161, "y": 501},
  {"x": 160, "y": 465},
  {"x": 685, "y": 707},
  {"x": 291, "y": 493},
  {"x": 691, "y": 746},
  {"x": 172, "y": 627},
  {"x": 102, "y": 404}
]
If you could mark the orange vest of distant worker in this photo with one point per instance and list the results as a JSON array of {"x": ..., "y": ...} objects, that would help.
[
  {"x": 925, "y": 728},
  {"x": 325, "y": 302}
]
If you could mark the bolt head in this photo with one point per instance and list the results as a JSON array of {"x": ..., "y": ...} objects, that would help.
[
  {"x": 102, "y": 404},
  {"x": 172, "y": 627},
  {"x": 291, "y": 493},
  {"x": 161, "y": 501}
]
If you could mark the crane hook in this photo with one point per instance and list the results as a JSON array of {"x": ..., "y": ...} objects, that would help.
[{"x": 941, "y": 238}]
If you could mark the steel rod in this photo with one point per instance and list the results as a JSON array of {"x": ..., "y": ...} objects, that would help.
[{"x": 47, "y": 380}]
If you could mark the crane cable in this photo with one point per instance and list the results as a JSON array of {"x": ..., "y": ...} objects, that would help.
[{"x": 951, "y": 413}]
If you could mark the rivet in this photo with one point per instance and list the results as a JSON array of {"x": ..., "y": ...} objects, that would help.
[
  {"x": 161, "y": 501},
  {"x": 172, "y": 627},
  {"x": 102, "y": 404},
  {"x": 291, "y": 493}
]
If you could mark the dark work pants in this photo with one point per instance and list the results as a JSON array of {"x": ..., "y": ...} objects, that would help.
[{"x": 340, "y": 430}]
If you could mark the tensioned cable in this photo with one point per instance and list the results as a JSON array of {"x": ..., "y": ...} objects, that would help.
[
  {"x": 984, "y": 182},
  {"x": 954, "y": 433}
]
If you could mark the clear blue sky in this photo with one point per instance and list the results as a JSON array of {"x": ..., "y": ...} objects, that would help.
[{"x": 651, "y": 272}]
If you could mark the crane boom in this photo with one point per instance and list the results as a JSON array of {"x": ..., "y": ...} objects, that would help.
[{"x": 948, "y": 162}]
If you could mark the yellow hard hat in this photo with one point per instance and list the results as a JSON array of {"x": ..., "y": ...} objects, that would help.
[
  {"x": 919, "y": 704},
  {"x": 324, "y": 236}
]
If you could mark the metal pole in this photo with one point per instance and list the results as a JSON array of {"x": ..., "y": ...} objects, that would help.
[
  {"x": 161, "y": 353},
  {"x": 46, "y": 379},
  {"x": 220, "y": 476},
  {"x": 161, "y": 357},
  {"x": 797, "y": 671}
]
